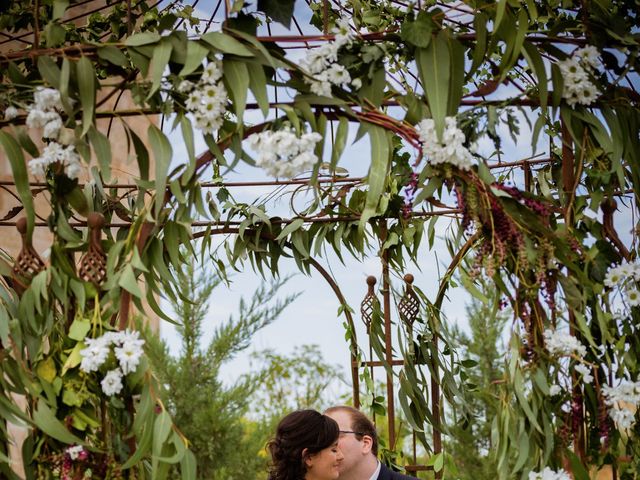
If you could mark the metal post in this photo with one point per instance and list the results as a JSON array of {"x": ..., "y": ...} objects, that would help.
[{"x": 386, "y": 295}]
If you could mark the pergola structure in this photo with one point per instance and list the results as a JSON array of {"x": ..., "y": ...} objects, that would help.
[{"x": 495, "y": 57}]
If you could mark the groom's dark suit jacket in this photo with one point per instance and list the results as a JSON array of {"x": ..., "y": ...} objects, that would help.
[{"x": 387, "y": 474}]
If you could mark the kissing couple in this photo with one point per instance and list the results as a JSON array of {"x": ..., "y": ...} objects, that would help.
[{"x": 340, "y": 444}]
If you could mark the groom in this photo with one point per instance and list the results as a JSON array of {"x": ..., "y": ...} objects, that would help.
[{"x": 358, "y": 442}]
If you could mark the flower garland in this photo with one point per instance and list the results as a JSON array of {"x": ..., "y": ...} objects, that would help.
[
  {"x": 128, "y": 351},
  {"x": 623, "y": 401},
  {"x": 207, "y": 99},
  {"x": 576, "y": 73},
  {"x": 282, "y": 153}
]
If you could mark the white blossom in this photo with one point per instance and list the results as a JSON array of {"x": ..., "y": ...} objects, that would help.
[
  {"x": 321, "y": 63},
  {"x": 585, "y": 371},
  {"x": 10, "y": 113},
  {"x": 75, "y": 451},
  {"x": 623, "y": 401},
  {"x": 450, "y": 150},
  {"x": 633, "y": 297},
  {"x": 563, "y": 344},
  {"x": 129, "y": 353},
  {"x": 555, "y": 390},
  {"x": 207, "y": 99},
  {"x": 576, "y": 74},
  {"x": 548, "y": 474},
  {"x": 53, "y": 152},
  {"x": 282, "y": 153},
  {"x": 94, "y": 356},
  {"x": 47, "y": 99},
  {"x": 112, "y": 382},
  {"x": 623, "y": 417}
]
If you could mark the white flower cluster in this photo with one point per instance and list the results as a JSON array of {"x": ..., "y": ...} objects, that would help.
[
  {"x": 322, "y": 64},
  {"x": 563, "y": 344},
  {"x": 207, "y": 99},
  {"x": 43, "y": 113},
  {"x": 128, "y": 350},
  {"x": 76, "y": 452},
  {"x": 10, "y": 113},
  {"x": 624, "y": 277},
  {"x": 576, "y": 75},
  {"x": 548, "y": 474},
  {"x": 282, "y": 153},
  {"x": 624, "y": 401},
  {"x": 55, "y": 153},
  {"x": 450, "y": 150}
]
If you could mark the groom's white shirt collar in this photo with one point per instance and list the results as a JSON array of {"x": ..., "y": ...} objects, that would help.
[{"x": 376, "y": 473}]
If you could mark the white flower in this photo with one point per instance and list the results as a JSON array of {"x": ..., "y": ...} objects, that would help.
[
  {"x": 282, "y": 153},
  {"x": 10, "y": 113},
  {"x": 563, "y": 344},
  {"x": 185, "y": 86},
  {"x": 75, "y": 451},
  {"x": 94, "y": 356},
  {"x": 613, "y": 278},
  {"x": 56, "y": 153},
  {"x": 112, "y": 382},
  {"x": 624, "y": 418},
  {"x": 555, "y": 390},
  {"x": 450, "y": 149},
  {"x": 52, "y": 128},
  {"x": 47, "y": 99},
  {"x": 626, "y": 392},
  {"x": 578, "y": 88},
  {"x": 633, "y": 297},
  {"x": 585, "y": 371},
  {"x": 548, "y": 474},
  {"x": 130, "y": 352},
  {"x": 321, "y": 63},
  {"x": 356, "y": 83},
  {"x": 589, "y": 56}
]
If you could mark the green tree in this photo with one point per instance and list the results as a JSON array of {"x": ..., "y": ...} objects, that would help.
[
  {"x": 207, "y": 411},
  {"x": 470, "y": 441}
]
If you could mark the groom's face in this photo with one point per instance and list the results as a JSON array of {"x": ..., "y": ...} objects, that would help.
[{"x": 352, "y": 448}]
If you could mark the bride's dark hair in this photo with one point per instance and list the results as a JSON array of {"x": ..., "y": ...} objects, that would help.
[{"x": 300, "y": 430}]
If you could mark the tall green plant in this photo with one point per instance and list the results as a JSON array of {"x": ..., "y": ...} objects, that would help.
[{"x": 208, "y": 411}]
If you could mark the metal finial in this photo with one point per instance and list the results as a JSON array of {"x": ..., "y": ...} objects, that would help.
[
  {"x": 93, "y": 264},
  {"x": 28, "y": 263},
  {"x": 370, "y": 302}
]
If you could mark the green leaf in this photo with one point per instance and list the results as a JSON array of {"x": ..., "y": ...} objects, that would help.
[
  {"x": 162, "y": 153},
  {"x": 434, "y": 65},
  {"x": 501, "y": 7},
  {"x": 374, "y": 89},
  {"x": 188, "y": 466},
  {"x": 577, "y": 468},
  {"x": 480, "y": 27},
  {"x": 292, "y": 227},
  {"x": 418, "y": 32},
  {"x": 113, "y": 55},
  {"x": 49, "y": 70},
  {"x": 20, "y": 177},
  {"x": 45, "y": 419},
  {"x": 79, "y": 329},
  {"x": 87, "y": 90},
  {"x": 279, "y": 10},
  {"x": 102, "y": 148},
  {"x": 129, "y": 282},
  {"x": 159, "y": 61},
  {"x": 59, "y": 7},
  {"x": 187, "y": 135},
  {"x": 376, "y": 178},
  {"x": 144, "y": 38},
  {"x": 258, "y": 85},
  {"x": 161, "y": 430},
  {"x": 195, "y": 55},
  {"x": 339, "y": 142},
  {"x": 456, "y": 50},
  {"x": 74, "y": 358},
  {"x": 236, "y": 78},
  {"x": 47, "y": 370},
  {"x": 226, "y": 44}
]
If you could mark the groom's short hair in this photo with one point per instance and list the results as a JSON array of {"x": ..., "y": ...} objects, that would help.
[{"x": 360, "y": 424}]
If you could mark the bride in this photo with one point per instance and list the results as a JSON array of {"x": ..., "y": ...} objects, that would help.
[{"x": 305, "y": 447}]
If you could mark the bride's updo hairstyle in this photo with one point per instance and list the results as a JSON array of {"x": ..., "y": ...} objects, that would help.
[{"x": 300, "y": 430}]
